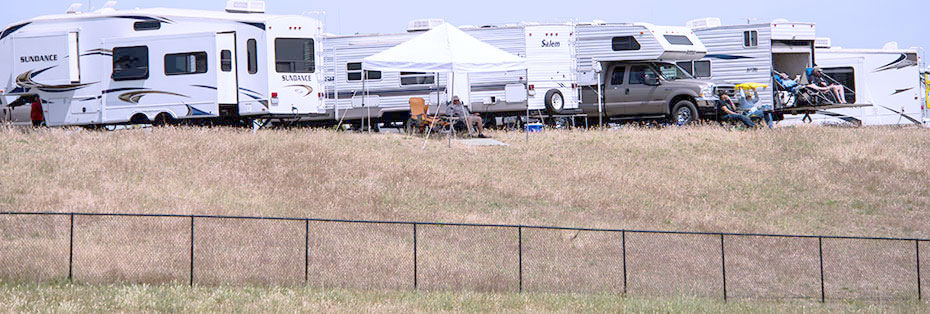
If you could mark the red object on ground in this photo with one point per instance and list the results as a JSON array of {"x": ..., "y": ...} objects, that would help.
[{"x": 36, "y": 113}]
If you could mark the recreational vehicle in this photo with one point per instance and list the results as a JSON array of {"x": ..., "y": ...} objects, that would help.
[
  {"x": 750, "y": 53},
  {"x": 547, "y": 84},
  {"x": 155, "y": 65},
  {"x": 628, "y": 71},
  {"x": 885, "y": 81}
]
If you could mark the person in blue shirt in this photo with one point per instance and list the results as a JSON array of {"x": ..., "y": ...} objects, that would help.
[
  {"x": 785, "y": 81},
  {"x": 749, "y": 104},
  {"x": 728, "y": 112}
]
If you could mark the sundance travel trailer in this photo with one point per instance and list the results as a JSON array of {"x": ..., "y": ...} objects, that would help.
[
  {"x": 628, "y": 71},
  {"x": 886, "y": 81},
  {"x": 151, "y": 65},
  {"x": 547, "y": 84},
  {"x": 750, "y": 53}
]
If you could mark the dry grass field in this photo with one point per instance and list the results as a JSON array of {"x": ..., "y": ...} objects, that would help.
[
  {"x": 832, "y": 181},
  {"x": 804, "y": 180}
]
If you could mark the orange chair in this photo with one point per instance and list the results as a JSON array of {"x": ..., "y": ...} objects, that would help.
[{"x": 420, "y": 119}]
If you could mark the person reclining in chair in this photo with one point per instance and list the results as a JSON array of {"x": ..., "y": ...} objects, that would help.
[
  {"x": 749, "y": 104},
  {"x": 785, "y": 81},
  {"x": 819, "y": 82},
  {"x": 457, "y": 109}
]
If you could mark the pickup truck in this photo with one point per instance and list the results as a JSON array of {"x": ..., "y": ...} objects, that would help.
[{"x": 650, "y": 90}]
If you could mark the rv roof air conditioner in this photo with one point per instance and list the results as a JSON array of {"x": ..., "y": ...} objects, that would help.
[
  {"x": 74, "y": 8},
  {"x": 704, "y": 23},
  {"x": 423, "y": 25},
  {"x": 823, "y": 42},
  {"x": 892, "y": 45},
  {"x": 244, "y": 6}
]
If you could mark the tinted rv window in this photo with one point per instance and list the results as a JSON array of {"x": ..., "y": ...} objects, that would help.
[
  {"x": 186, "y": 63},
  {"x": 354, "y": 72},
  {"x": 252, "y": 52},
  {"x": 751, "y": 39},
  {"x": 624, "y": 43},
  {"x": 417, "y": 78},
  {"x": 130, "y": 63},
  {"x": 147, "y": 25},
  {"x": 687, "y": 66},
  {"x": 845, "y": 76},
  {"x": 294, "y": 55},
  {"x": 226, "y": 61},
  {"x": 678, "y": 40},
  {"x": 702, "y": 68}
]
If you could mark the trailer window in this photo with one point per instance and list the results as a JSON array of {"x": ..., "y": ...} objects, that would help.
[
  {"x": 186, "y": 63},
  {"x": 845, "y": 76},
  {"x": 751, "y": 39},
  {"x": 354, "y": 72},
  {"x": 294, "y": 55},
  {"x": 130, "y": 63},
  {"x": 252, "y": 52},
  {"x": 624, "y": 43},
  {"x": 687, "y": 66},
  {"x": 226, "y": 61},
  {"x": 417, "y": 78},
  {"x": 701, "y": 69},
  {"x": 147, "y": 26},
  {"x": 678, "y": 40}
]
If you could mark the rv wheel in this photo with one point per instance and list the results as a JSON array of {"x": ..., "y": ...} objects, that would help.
[
  {"x": 684, "y": 113},
  {"x": 555, "y": 102}
]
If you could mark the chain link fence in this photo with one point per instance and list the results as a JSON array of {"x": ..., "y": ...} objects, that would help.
[{"x": 218, "y": 250}]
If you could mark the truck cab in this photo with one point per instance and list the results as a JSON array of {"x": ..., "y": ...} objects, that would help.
[{"x": 650, "y": 90}]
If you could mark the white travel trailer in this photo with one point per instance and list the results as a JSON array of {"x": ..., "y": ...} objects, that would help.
[
  {"x": 113, "y": 66},
  {"x": 750, "y": 53},
  {"x": 885, "y": 81},
  {"x": 548, "y": 83}
]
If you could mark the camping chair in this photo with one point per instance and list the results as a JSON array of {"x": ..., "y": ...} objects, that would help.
[{"x": 420, "y": 119}]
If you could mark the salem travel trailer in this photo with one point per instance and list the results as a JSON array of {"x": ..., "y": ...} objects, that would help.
[
  {"x": 750, "y": 53},
  {"x": 111, "y": 66},
  {"x": 548, "y": 83},
  {"x": 608, "y": 53},
  {"x": 885, "y": 81}
]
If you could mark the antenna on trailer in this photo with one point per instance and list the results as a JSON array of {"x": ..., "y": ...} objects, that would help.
[{"x": 749, "y": 20}]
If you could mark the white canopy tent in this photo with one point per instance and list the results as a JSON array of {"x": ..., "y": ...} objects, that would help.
[{"x": 445, "y": 49}]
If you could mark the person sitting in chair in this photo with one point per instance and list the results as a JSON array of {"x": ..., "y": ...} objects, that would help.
[
  {"x": 749, "y": 104},
  {"x": 727, "y": 109},
  {"x": 457, "y": 109},
  {"x": 785, "y": 81},
  {"x": 819, "y": 82}
]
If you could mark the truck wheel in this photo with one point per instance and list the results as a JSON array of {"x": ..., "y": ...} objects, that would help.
[
  {"x": 684, "y": 113},
  {"x": 555, "y": 102}
]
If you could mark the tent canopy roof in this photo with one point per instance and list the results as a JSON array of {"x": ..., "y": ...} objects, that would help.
[{"x": 444, "y": 49}]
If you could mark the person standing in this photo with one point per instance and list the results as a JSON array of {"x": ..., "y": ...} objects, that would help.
[{"x": 38, "y": 117}]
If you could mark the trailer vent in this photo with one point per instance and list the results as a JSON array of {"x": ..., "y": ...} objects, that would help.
[
  {"x": 823, "y": 42},
  {"x": 423, "y": 25},
  {"x": 243, "y": 6},
  {"x": 704, "y": 23}
]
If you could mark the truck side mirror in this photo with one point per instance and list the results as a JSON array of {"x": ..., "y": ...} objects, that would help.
[{"x": 652, "y": 79}]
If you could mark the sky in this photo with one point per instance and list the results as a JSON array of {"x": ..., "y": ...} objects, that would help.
[{"x": 850, "y": 24}]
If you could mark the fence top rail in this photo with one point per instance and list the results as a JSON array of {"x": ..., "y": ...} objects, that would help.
[{"x": 448, "y": 224}]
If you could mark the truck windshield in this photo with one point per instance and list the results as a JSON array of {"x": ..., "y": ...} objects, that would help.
[{"x": 671, "y": 72}]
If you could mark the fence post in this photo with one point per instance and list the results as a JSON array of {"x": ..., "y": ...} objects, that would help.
[
  {"x": 823, "y": 294},
  {"x": 71, "y": 251},
  {"x": 623, "y": 241},
  {"x": 306, "y": 251},
  {"x": 192, "y": 253},
  {"x": 723, "y": 266},
  {"x": 520, "y": 255},
  {"x": 415, "y": 283},
  {"x": 920, "y": 295}
]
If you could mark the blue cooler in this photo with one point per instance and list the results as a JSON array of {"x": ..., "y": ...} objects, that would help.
[{"x": 534, "y": 127}]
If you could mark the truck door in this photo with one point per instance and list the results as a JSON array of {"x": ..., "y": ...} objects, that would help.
[
  {"x": 227, "y": 82},
  {"x": 640, "y": 98},
  {"x": 614, "y": 90}
]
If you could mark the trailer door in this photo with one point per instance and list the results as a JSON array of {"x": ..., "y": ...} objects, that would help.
[{"x": 227, "y": 83}]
